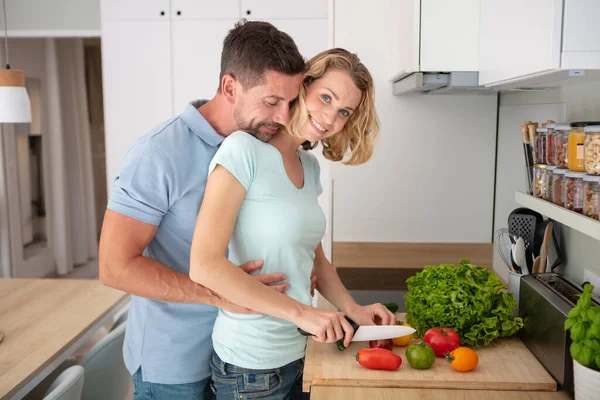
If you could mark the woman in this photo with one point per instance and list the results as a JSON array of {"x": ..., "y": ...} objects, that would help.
[{"x": 261, "y": 200}]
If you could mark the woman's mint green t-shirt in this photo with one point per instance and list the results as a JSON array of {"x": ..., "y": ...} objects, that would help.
[{"x": 277, "y": 223}]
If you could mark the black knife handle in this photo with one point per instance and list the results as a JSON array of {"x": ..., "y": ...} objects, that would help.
[{"x": 354, "y": 325}]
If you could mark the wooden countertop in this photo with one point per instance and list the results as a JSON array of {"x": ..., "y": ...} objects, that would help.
[
  {"x": 44, "y": 321},
  {"x": 507, "y": 369}
]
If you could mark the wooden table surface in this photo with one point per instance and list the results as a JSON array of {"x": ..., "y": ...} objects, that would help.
[
  {"x": 44, "y": 321},
  {"x": 507, "y": 367}
]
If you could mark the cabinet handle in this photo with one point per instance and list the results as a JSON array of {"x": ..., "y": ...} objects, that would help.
[
  {"x": 248, "y": 12},
  {"x": 162, "y": 13},
  {"x": 178, "y": 12}
]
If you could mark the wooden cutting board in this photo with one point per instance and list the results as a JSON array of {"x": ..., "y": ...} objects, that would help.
[{"x": 506, "y": 365}]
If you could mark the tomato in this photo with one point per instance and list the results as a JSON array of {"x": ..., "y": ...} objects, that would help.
[
  {"x": 420, "y": 356},
  {"x": 463, "y": 359},
  {"x": 382, "y": 344},
  {"x": 442, "y": 340},
  {"x": 379, "y": 359},
  {"x": 403, "y": 340}
]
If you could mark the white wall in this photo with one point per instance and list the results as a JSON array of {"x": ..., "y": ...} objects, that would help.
[
  {"x": 432, "y": 176},
  {"x": 52, "y": 15},
  {"x": 582, "y": 102}
]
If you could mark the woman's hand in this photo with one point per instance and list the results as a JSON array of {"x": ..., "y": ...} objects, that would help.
[
  {"x": 326, "y": 326},
  {"x": 374, "y": 314}
]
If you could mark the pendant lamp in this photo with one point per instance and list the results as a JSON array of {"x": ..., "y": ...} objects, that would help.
[{"x": 15, "y": 106}]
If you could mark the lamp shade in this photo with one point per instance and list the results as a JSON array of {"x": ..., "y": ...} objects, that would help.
[{"x": 14, "y": 100}]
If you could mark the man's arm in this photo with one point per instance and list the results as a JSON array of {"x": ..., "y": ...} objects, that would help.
[{"x": 122, "y": 266}]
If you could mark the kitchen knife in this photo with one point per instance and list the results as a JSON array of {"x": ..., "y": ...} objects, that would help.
[{"x": 373, "y": 332}]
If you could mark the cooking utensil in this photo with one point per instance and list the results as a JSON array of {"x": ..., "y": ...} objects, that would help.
[
  {"x": 522, "y": 222},
  {"x": 528, "y": 151},
  {"x": 503, "y": 244},
  {"x": 520, "y": 256},
  {"x": 373, "y": 332},
  {"x": 536, "y": 265},
  {"x": 545, "y": 246}
]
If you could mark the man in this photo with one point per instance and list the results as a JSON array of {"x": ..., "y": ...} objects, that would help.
[{"x": 148, "y": 227}]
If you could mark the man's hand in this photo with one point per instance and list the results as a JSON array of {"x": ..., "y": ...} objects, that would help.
[
  {"x": 274, "y": 281},
  {"x": 374, "y": 314}
]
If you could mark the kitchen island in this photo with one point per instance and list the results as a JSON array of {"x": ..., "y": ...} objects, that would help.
[{"x": 507, "y": 370}]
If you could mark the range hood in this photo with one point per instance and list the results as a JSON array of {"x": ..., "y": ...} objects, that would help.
[{"x": 436, "y": 83}]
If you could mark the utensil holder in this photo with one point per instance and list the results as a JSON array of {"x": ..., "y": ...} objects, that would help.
[{"x": 514, "y": 287}]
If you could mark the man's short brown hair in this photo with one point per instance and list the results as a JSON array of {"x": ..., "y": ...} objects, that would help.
[{"x": 254, "y": 47}]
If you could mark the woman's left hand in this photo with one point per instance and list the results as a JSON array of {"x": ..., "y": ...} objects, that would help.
[{"x": 374, "y": 314}]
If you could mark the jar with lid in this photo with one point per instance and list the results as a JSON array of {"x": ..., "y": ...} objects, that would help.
[
  {"x": 592, "y": 149},
  {"x": 547, "y": 186},
  {"x": 558, "y": 186},
  {"x": 591, "y": 197},
  {"x": 561, "y": 145},
  {"x": 540, "y": 145},
  {"x": 539, "y": 172},
  {"x": 550, "y": 139},
  {"x": 577, "y": 146},
  {"x": 574, "y": 191}
]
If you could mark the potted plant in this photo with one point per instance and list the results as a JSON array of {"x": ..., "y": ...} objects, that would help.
[{"x": 583, "y": 324}]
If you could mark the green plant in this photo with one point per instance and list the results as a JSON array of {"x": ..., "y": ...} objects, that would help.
[
  {"x": 583, "y": 324},
  {"x": 469, "y": 299}
]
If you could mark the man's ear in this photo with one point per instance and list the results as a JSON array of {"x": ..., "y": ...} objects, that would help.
[{"x": 228, "y": 87}]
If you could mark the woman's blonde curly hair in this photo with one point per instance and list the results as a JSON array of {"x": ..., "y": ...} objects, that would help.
[{"x": 362, "y": 128}]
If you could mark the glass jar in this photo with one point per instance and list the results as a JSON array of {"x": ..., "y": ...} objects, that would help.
[
  {"x": 561, "y": 145},
  {"x": 592, "y": 149},
  {"x": 591, "y": 196},
  {"x": 576, "y": 147},
  {"x": 550, "y": 138},
  {"x": 539, "y": 172},
  {"x": 547, "y": 187},
  {"x": 540, "y": 145},
  {"x": 574, "y": 191},
  {"x": 558, "y": 186}
]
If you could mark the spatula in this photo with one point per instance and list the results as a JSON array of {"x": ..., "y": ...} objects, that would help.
[{"x": 544, "y": 248}]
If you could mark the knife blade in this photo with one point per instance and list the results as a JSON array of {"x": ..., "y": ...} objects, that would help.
[{"x": 373, "y": 332}]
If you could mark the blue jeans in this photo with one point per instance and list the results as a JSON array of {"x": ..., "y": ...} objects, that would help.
[
  {"x": 156, "y": 391},
  {"x": 233, "y": 383}
]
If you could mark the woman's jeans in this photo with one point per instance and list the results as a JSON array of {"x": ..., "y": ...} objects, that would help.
[{"x": 233, "y": 383}]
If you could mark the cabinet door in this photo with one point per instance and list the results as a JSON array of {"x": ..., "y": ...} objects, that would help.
[
  {"x": 277, "y": 9},
  {"x": 408, "y": 34},
  {"x": 197, "y": 63},
  {"x": 205, "y": 9},
  {"x": 134, "y": 9},
  {"x": 136, "y": 72},
  {"x": 311, "y": 35},
  {"x": 518, "y": 38},
  {"x": 449, "y": 35}
]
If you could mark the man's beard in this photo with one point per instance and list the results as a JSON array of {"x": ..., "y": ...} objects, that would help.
[{"x": 253, "y": 128}]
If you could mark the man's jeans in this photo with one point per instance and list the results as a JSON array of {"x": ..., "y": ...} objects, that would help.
[
  {"x": 234, "y": 383},
  {"x": 155, "y": 391}
]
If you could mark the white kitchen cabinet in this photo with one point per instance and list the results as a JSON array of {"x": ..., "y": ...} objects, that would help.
[
  {"x": 438, "y": 35},
  {"x": 205, "y": 9},
  {"x": 136, "y": 73},
  {"x": 309, "y": 41},
  {"x": 277, "y": 9},
  {"x": 196, "y": 65},
  {"x": 134, "y": 9},
  {"x": 523, "y": 41}
]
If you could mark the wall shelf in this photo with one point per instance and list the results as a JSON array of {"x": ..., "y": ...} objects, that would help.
[{"x": 566, "y": 217}]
